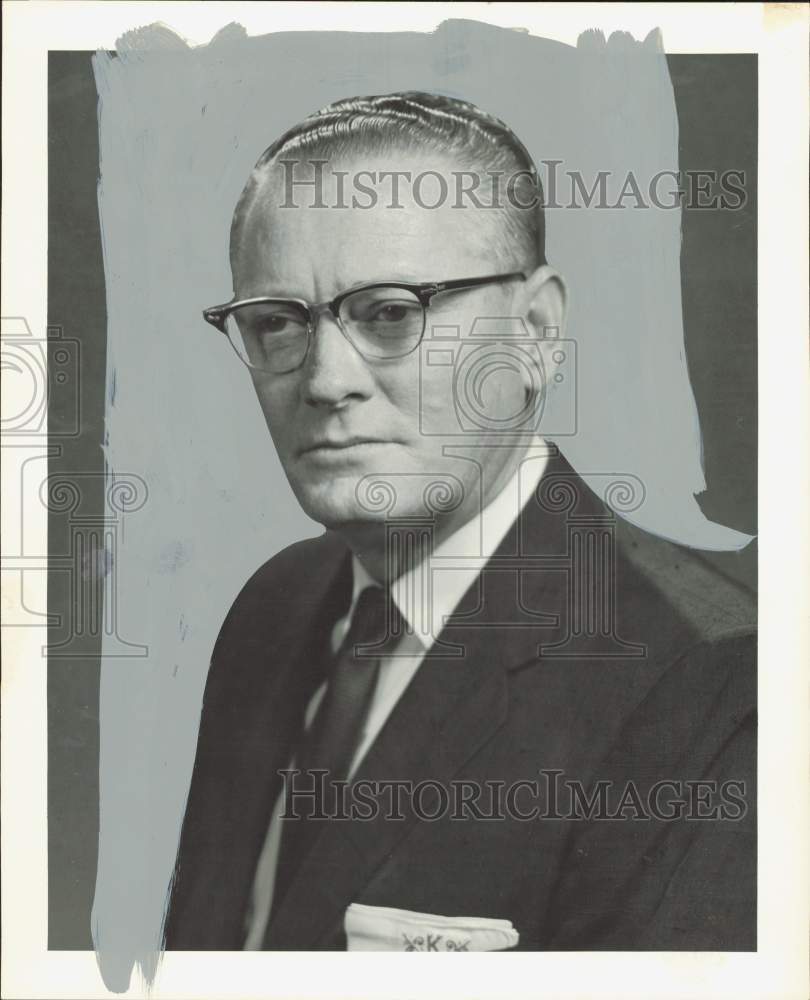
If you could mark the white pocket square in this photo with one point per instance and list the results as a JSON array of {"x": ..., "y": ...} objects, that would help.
[{"x": 383, "y": 928}]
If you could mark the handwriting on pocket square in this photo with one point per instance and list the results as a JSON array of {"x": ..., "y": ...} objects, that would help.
[
  {"x": 434, "y": 942},
  {"x": 386, "y": 928}
]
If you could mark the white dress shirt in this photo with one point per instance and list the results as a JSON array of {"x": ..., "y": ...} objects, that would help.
[{"x": 424, "y": 601}]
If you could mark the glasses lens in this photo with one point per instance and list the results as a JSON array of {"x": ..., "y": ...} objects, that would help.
[
  {"x": 271, "y": 336},
  {"x": 383, "y": 322}
]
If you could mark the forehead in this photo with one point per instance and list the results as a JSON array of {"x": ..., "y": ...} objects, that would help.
[{"x": 362, "y": 220}]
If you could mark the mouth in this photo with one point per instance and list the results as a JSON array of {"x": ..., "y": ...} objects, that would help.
[{"x": 341, "y": 446}]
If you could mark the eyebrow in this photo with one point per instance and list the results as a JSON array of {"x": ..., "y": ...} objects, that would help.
[{"x": 272, "y": 290}]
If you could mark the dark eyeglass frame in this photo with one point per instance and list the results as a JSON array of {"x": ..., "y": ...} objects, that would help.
[{"x": 217, "y": 316}]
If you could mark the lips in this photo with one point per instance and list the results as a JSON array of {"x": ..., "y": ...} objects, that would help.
[{"x": 338, "y": 445}]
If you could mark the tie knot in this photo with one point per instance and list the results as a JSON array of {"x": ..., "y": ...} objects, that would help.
[{"x": 375, "y": 622}]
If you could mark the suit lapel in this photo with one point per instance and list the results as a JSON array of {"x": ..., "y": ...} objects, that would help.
[
  {"x": 449, "y": 710},
  {"x": 264, "y": 668}
]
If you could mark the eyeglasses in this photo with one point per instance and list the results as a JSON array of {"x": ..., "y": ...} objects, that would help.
[{"x": 382, "y": 320}]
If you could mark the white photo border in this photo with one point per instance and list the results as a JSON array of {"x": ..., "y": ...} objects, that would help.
[{"x": 778, "y": 33}]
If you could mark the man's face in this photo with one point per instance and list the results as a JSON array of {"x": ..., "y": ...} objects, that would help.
[{"x": 340, "y": 417}]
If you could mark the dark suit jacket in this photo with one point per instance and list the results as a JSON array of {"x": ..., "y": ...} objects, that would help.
[{"x": 651, "y": 678}]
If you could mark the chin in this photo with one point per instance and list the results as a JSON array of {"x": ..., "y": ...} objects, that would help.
[
  {"x": 366, "y": 496},
  {"x": 333, "y": 504}
]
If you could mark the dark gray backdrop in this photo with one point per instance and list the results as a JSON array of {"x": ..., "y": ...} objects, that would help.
[{"x": 716, "y": 97}]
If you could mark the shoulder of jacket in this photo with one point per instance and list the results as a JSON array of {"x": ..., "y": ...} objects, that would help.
[
  {"x": 294, "y": 570},
  {"x": 712, "y": 603}
]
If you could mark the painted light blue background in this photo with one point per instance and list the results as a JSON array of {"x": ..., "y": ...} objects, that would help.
[{"x": 180, "y": 130}]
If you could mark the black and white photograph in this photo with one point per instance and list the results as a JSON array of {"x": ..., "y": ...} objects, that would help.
[{"x": 405, "y": 489}]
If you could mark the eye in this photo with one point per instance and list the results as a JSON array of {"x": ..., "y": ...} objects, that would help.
[
  {"x": 390, "y": 312},
  {"x": 272, "y": 324},
  {"x": 384, "y": 311},
  {"x": 274, "y": 321}
]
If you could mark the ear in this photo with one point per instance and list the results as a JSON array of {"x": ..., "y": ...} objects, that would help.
[{"x": 544, "y": 300}]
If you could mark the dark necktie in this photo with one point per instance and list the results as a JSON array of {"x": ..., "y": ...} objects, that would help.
[{"x": 334, "y": 735}]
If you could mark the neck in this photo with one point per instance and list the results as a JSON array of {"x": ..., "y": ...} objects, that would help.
[
  {"x": 386, "y": 559},
  {"x": 387, "y": 554}
]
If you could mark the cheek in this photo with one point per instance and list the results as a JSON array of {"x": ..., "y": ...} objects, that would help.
[
  {"x": 501, "y": 393},
  {"x": 398, "y": 390},
  {"x": 465, "y": 396},
  {"x": 277, "y": 398},
  {"x": 433, "y": 397}
]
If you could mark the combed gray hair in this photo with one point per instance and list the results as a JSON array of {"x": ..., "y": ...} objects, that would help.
[{"x": 389, "y": 123}]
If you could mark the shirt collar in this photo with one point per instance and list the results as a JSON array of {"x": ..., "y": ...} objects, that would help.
[{"x": 425, "y": 597}]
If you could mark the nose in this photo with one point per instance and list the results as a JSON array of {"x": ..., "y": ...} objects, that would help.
[{"x": 334, "y": 372}]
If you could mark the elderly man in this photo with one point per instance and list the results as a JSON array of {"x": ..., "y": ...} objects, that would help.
[{"x": 480, "y": 711}]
